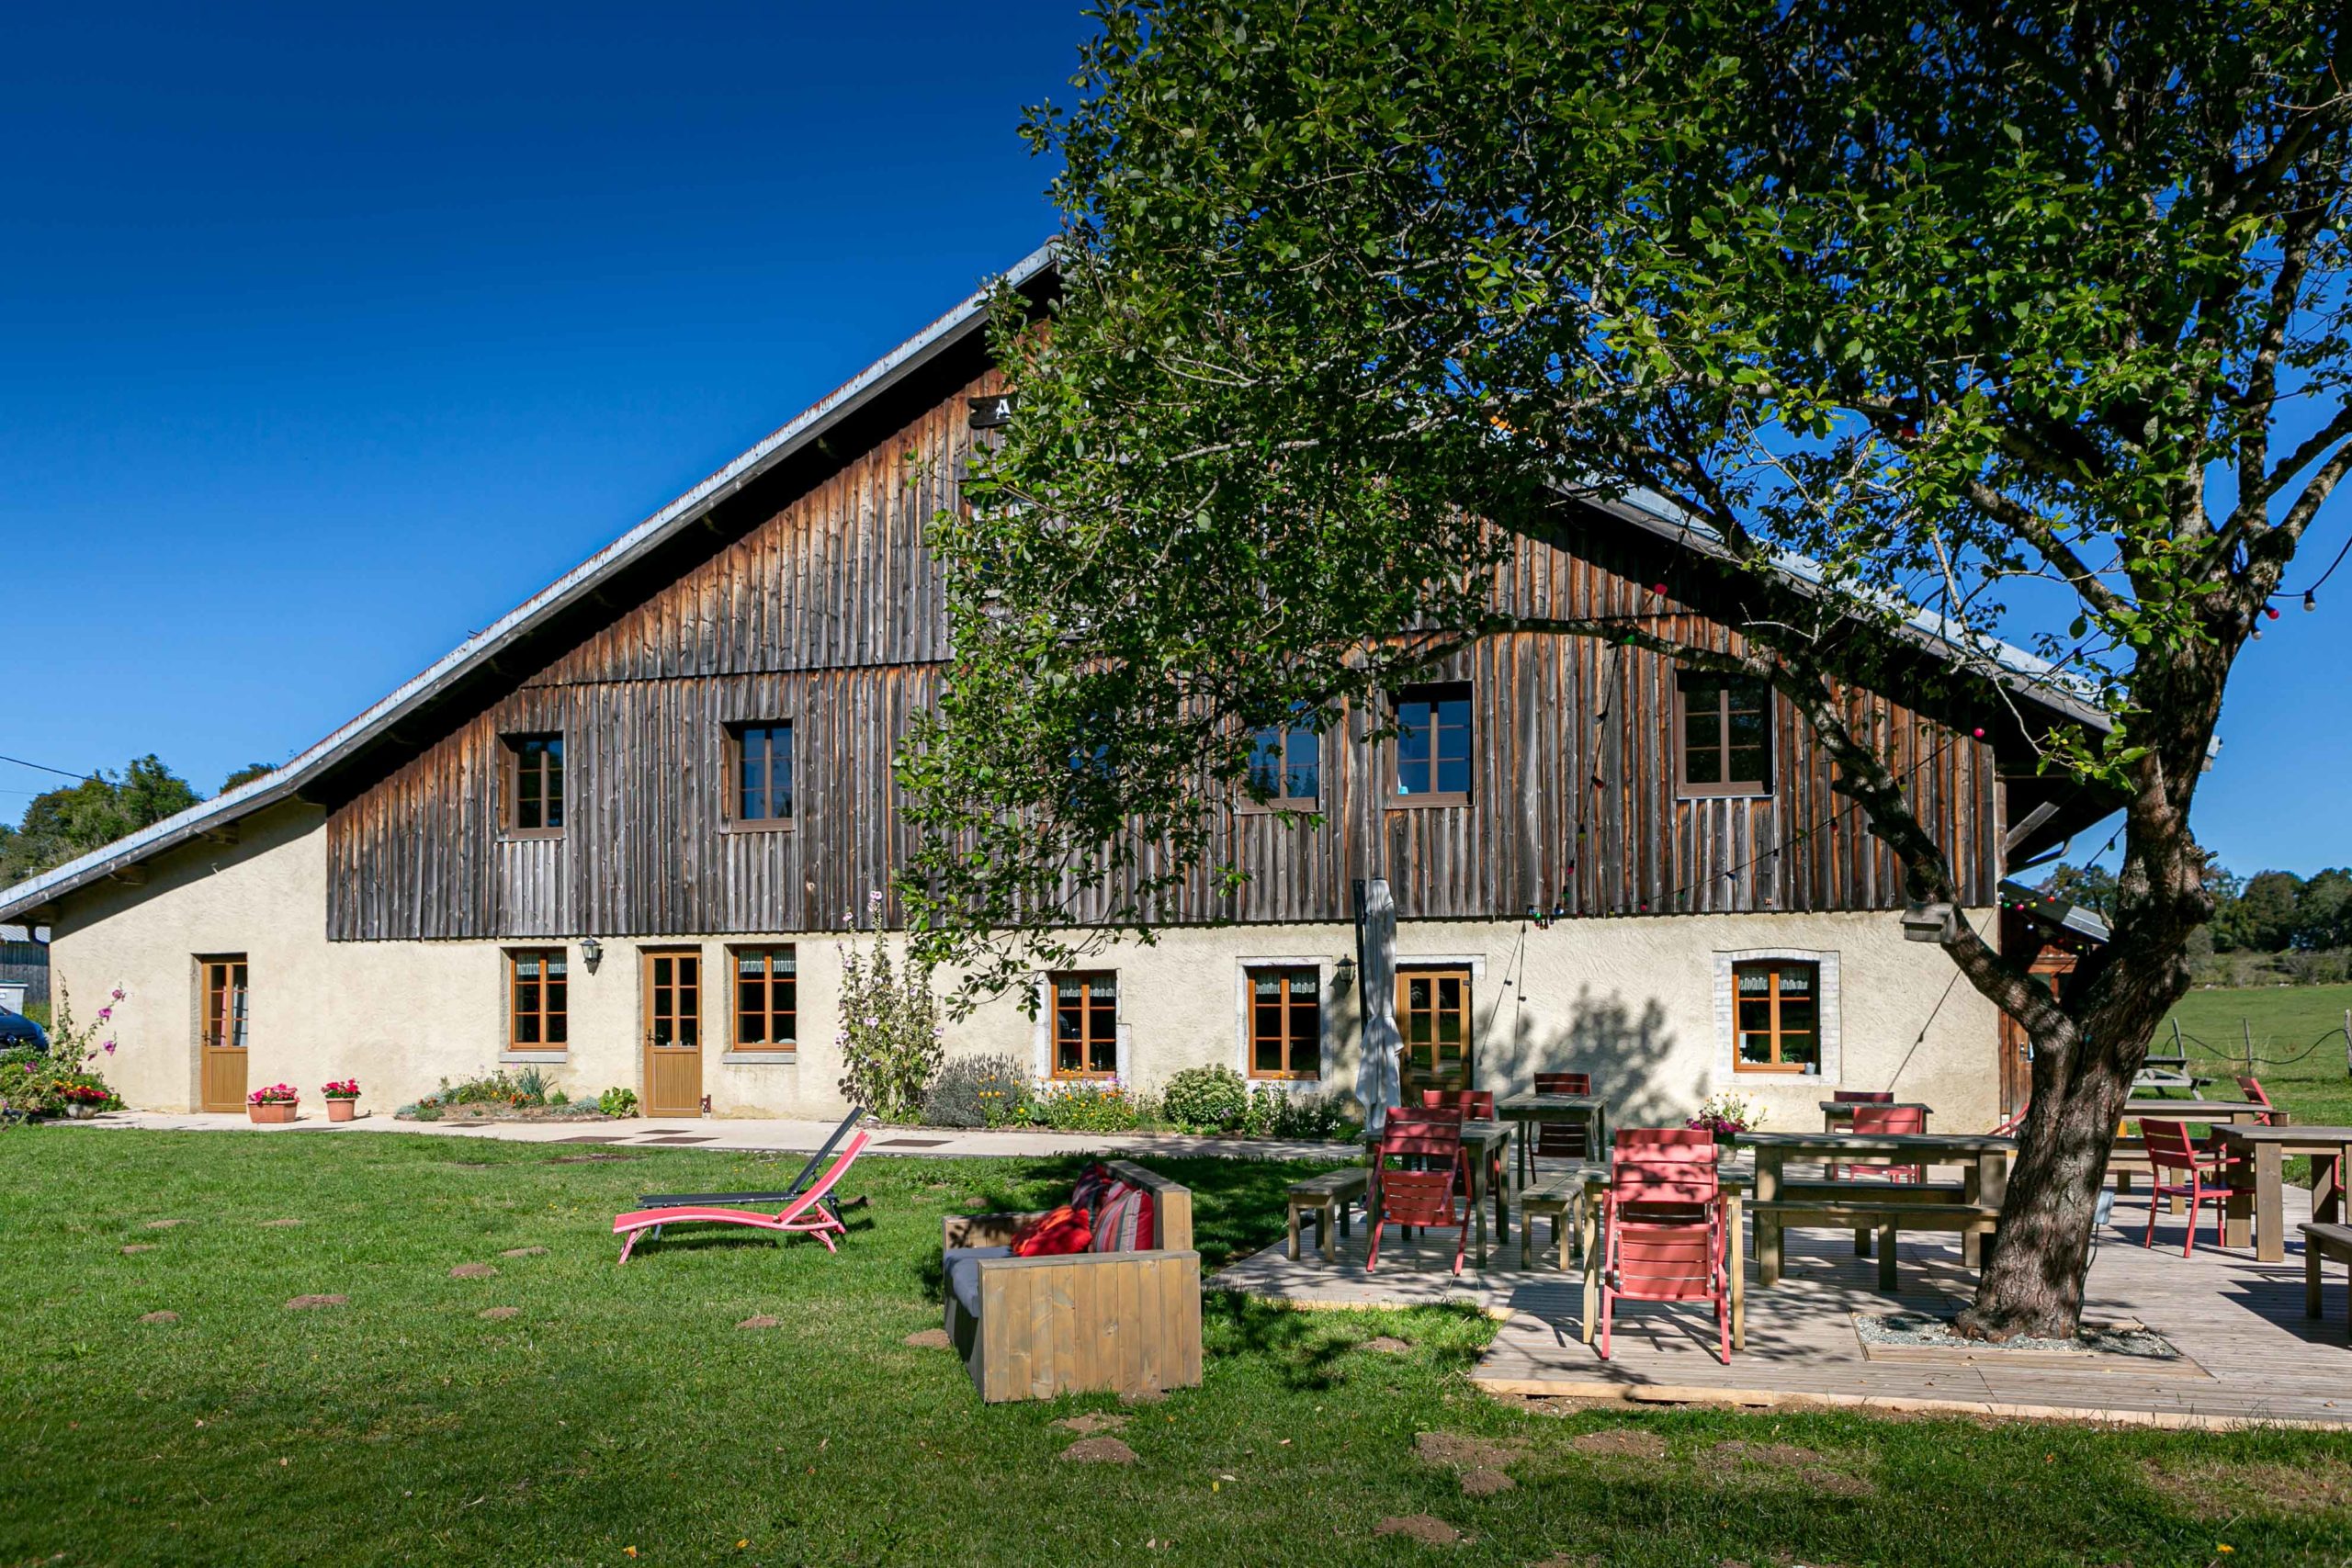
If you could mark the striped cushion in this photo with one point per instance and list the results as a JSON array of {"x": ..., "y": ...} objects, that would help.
[
  {"x": 1094, "y": 1188},
  {"x": 1125, "y": 1223}
]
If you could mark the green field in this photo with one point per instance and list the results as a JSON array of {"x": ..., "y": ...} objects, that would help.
[
  {"x": 622, "y": 1416},
  {"x": 2300, "y": 1061}
]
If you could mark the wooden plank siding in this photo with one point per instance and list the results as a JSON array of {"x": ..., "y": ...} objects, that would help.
[{"x": 830, "y": 613}]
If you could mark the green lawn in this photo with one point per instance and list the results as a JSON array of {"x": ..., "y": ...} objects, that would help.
[
  {"x": 2302, "y": 1070},
  {"x": 624, "y": 1408}
]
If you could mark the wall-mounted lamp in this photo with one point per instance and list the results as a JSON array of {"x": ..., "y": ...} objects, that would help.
[
  {"x": 1343, "y": 975},
  {"x": 592, "y": 952}
]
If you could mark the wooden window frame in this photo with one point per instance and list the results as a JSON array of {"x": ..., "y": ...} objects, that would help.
[
  {"x": 1281, "y": 799},
  {"x": 216, "y": 995},
  {"x": 1724, "y": 788},
  {"x": 1406, "y": 971},
  {"x": 769, "y": 1013},
  {"x": 510, "y": 777},
  {"x": 513, "y": 958},
  {"x": 1432, "y": 693},
  {"x": 1088, "y": 1040},
  {"x": 1288, "y": 1042},
  {"x": 732, "y": 772},
  {"x": 1776, "y": 1066}
]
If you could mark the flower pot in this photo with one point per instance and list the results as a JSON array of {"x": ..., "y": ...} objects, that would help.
[
  {"x": 283, "y": 1111},
  {"x": 81, "y": 1112},
  {"x": 342, "y": 1109}
]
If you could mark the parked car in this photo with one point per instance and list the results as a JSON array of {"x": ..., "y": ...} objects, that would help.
[{"x": 15, "y": 1028}]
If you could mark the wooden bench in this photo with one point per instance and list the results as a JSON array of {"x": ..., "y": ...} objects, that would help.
[
  {"x": 1327, "y": 1197},
  {"x": 2323, "y": 1243},
  {"x": 1557, "y": 1196},
  {"x": 1089, "y": 1322},
  {"x": 1888, "y": 1217}
]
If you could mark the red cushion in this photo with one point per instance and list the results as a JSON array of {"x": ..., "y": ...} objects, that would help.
[
  {"x": 1125, "y": 1221},
  {"x": 1054, "y": 1232},
  {"x": 1095, "y": 1184}
]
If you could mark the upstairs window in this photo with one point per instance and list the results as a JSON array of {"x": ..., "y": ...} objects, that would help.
[
  {"x": 1722, "y": 735},
  {"x": 1433, "y": 745},
  {"x": 759, "y": 772},
  {"x": 1286, "y": 764},
  {"x": 1086, "y": 1024},
  {"x": 1778, "y": 1002},
  {"x": 534, "y": 785}
]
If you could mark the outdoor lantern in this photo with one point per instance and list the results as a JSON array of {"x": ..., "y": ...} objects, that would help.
[
  {"x": 592, "y": 952},
  {"x": 1343, "y": 975}
]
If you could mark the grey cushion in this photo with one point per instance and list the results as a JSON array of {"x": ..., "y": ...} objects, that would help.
[{"x": 963, "y": 1266}]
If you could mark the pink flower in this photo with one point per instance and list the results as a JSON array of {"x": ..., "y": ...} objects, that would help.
[
  {"x": 108, "y": 1047},
  {"x": 104, "y": 1013}
]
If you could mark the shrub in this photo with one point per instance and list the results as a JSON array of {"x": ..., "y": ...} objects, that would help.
[
  {"x": 889, "y": 1033},
  {"x": 978, "y": 1091},
  {"x": 557, "y": 1097},
  {"x": 1206, "y": 1099},
  {"x": 1090, "y": 1105},
  {"x": 617, "y": 1101}
]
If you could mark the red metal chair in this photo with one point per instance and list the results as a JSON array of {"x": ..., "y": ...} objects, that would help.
[
  {"x": 2170, "y": 1147},
  {"x": 1476, "y": 1104},
  {"x": 2006, "y": 1127},
  {"x": 1856, "y": 1097},
  {"x": 1430, "y": 1138},
  {"x": 1662, "y": 1226},
  {"x": 1565, "y": 1140},
  {"x": 2252, "y": 1090},
  {"x": 1879, "y": 1121}
]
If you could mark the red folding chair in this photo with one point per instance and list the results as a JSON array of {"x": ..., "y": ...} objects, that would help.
[
  {"x": 2170, "y": 1147},
  {"x": 1565, "y": 1140},
  {"x": 1879, "y": 1120},
  {"x": 1662, "y": 1226},
  {"x": 1420, "y": 1193},
  {"x": 1472, "y": 1105},
  {"x": 1856, "y": 1097}
]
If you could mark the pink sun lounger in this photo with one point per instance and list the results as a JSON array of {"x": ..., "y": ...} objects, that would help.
[{"x": 805, "y": 1213}]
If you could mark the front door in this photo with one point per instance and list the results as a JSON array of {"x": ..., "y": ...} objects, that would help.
[
  {"x": 220, "y": 1034},
  {"x": 2048, "y": 969},
  {"x": 674, "y": 1035},
  {"x": 1433, "y": 1016}
]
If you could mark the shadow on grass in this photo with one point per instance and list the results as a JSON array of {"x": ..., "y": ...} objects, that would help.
[{"x": 1305, "y": 1348}]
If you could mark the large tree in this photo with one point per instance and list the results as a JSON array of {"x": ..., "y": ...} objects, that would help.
[
  {"x": 2031, "y": 315},
  {"x": 60, "y": 824}
]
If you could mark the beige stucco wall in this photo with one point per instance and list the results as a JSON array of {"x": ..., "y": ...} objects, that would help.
[{"x": 1634, "y": 1001}]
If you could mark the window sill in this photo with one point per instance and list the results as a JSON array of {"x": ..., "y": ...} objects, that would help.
[
  {"x": 1298, "y": 805},
  {"x": 1415, "y": 802},
  {"x": 1776, "y": 1072},
  {"x": 528, "y": 835},
  {"x": 759, "y": 1059},
  {"x": 1734, "y": 791},
  {"x": 778, "y": 825},
  {"x": 536, "y": 1058},
  {"x": 1288, "y": 1081}
]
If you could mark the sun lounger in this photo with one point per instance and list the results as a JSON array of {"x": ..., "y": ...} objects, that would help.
[
  {"x": 806, "y": 1214},
  {"x": 800, "y": 1183}
]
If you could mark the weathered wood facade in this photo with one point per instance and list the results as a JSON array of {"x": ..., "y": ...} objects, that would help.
[{"x": 823, "y": 605}]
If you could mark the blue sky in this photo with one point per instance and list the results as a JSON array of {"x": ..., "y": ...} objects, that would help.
[{"x": 327, "y": 335}]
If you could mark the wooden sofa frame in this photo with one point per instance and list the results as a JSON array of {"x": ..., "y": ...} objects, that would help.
[{"x": 1089, "y": 1322}]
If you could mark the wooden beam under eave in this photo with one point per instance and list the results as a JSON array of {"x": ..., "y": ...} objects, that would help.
[{"x": 131, "y": 875}]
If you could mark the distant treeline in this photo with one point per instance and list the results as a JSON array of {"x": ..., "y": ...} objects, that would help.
[
  {"x": 78, "y": 818},
  {"x": 2271, "y": 927}
]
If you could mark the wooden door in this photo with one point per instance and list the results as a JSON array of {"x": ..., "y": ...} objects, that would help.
[
  {"x": 674, "y": 1033},
  {"x": 1434, "y": 1017},
  {"x": 221, "y": 1034},
  {"x": 2048, "y": 968}
]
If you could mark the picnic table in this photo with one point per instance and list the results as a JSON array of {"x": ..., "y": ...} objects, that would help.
[
  {"x": 1486, "y": 1144},
  {"x": 2212, "y": 1113},
  {"x": 1836, "y": 1111},
  {"x": 1735, "y": 1186},
  {"x": 1532, "y": 1110},
  {"x": 2265, "y": 1150},
  {"x": 1983, "y": 1157}
]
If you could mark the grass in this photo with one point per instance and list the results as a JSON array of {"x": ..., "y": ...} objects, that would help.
[
  {"x": 2300, "y": 1066},
  {"x": 623, "y": 1408}
]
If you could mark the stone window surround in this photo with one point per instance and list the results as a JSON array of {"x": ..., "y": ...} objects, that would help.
[{"x": 1833, "y": 1048}]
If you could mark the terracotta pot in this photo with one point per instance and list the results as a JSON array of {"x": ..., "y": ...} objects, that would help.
[
  {"x": 342, "y": 1109},
  {"x": 280, "y": 1113}
]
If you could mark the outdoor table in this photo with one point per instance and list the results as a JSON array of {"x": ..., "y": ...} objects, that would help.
[
  {"x": 2330, "y": 1148},
  {"x": 1836, "y": 1111},
  {"x": 1736, "y": 1185},
  {"x": 1485, "y": 1143},
  {"x": 1530, "y": 1111},
  {"x": 1984, "y": 1160},
  {"x": 2213, "y": 1112}
]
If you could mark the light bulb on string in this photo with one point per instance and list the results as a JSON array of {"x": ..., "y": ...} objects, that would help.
[{"x": 2311, "y": 599}]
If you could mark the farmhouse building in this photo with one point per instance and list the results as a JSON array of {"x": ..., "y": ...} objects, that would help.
[{"x": 623, "y": 834}]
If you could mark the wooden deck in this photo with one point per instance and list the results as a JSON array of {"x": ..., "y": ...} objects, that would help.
[{"x": 2257, "y": 1359}]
